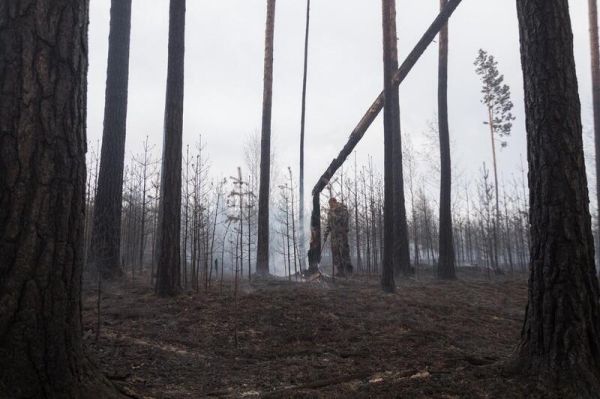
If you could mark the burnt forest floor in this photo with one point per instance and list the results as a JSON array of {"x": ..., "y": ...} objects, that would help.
[{"x": 319, "y": 339}]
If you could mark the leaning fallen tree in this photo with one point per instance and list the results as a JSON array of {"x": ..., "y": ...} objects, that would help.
[{"x": 314, "y": 253}]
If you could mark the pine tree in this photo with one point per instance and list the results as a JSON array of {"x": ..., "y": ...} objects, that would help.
[
  {"x": 391, "y": 126},
  {"x": 560, "y": 340},
  {"x": 262, "y": 255},
  {"x": 169, "y": 225},
  {"x": 44, "y": 64},
  {"x": 496, "y": 97},
  {"x": 106, "y": 230},
  {"x": 446, "y": 269}
]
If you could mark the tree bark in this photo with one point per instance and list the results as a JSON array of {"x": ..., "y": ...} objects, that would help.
[
  {"x": 262, "y": 253},
  {"x": 401, "y": 250},
  {"x": 561, "y": 333},
  {"x": 391, "y": 128},
  {"x": 106, "y": 228},
  {"x": 43, "y": 69},
  {"x": 446, "y": 267},
  {"x": 169, "y": 228},
  {"x": 314, "y": 251},
  {"x": 302, "y": 126}
]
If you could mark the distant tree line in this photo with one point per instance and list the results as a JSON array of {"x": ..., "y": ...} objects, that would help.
[{"x": 212, "y": 220}]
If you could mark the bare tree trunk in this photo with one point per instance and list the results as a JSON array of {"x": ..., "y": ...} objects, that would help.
[
  {"x": 194, "y": 250},
  {"x": 497, "y": 214},
  {"x": 560, "y": 340},
  {"x": 294, "y": 241},
  {"x": 186, "y": 208},
  {"x": 262, "y": 253},
  {"x": 379, "y": 211},
  {"x": 401, "y": 249},
  {"x": 196, "y": 227},
  {"x": 446, "y": 269},
  {"x": 374, "y": 218},
  {"x": 144, "y": 197},
  {"x": 391, "y": 126},
  {"x": 249, "y": 206},
  {"x": 287, "y": 234},
  {"x": 223, "y": 253},
  {"x": 468, "y": 230},
  {"x": 92, "y": 185},
  {"x": 359, "y": 264},
  {"x": 286, "y": 269},
  {"x": 415, "y": 230},
  {"x": 42, "y": 192},
  {"x": 212, "y": 238},
  {"x": 129, "y": 228},
  {"x": 235, "y": 293},
  {"x": 169, "y": 229},
  {"x": 302, "y": 125},
  {"x": 154, "y": 233},
  {"x": 241, "y": 194},
  {"x": 368, "y": 224},
  {"x": 314, "y": 252},
  {"x": 106, "y": 228},
  {"x": 507, "y": 233},
  {"x": 206, "y": 245}
]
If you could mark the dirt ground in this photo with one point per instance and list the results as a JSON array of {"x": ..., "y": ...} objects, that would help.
[{"x": 321, "y": 339}]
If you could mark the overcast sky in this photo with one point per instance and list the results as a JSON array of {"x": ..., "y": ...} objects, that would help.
[{"x": 224, "y": 67}]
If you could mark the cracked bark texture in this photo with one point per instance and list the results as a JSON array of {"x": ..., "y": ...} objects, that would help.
[
  {"x": 561, "y": 333},
  {"x": 169, "y": 229},
  {"x": 106, "y": 230},
  {"x": 43, "y": 67}
]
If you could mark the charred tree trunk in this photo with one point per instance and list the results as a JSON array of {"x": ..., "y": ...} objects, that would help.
[
  {"x": 446, "y": 268},
  {"x": 294, "y": 238},
  {"x": 391, "y": 125},
  {"x": 262, "y": 252},
  {"x": 314, "y": 252},
  {"x": 186, "y": 208},
  {"x": 507, "y": 233},
  {"x": 169, "y": 228},
  {"x": 401, "y": 251},
  {"x": 302, "y": 126},
  {"x": 106, "y": 230},
  {"x": 560, "y": 341},
  {"x": 495, "y": 264},
  {"x": 43, "y": 69},
  {"x": 359, "y": 265},
  {"x": 368, "y": 223}
]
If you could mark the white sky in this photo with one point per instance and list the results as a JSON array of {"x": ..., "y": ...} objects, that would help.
[{"x": 224, "y": 66}]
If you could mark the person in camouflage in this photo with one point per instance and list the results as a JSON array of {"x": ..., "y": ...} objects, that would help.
[{"x": 337, "y": 227}]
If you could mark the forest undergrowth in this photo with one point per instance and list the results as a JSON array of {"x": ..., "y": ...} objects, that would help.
[{"x": 319, "y": 339}]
